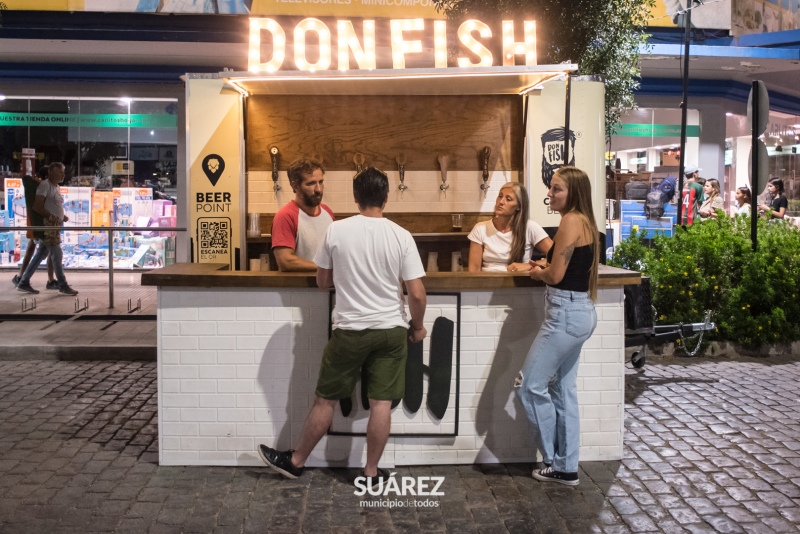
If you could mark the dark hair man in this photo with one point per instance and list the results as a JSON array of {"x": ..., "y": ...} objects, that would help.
[
  {"x": 298, "y": 227},
  {"x": 367, "y": 258},
  {"x": 31, "y": 183},
  {"x": 692, "y": 195}
]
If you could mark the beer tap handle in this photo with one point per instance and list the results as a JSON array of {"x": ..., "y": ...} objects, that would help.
[
  {"x": 273, "y": 154},
  {"x": 401, "y": 166},
  {"x": 487, "y": 152},
  {"x": 359, "y": 160}
]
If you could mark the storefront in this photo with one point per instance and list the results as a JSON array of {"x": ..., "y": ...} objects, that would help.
[{"x": 121, "y": 157}]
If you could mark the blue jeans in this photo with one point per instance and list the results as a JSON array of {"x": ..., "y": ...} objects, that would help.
[
  {"x": 548, "y": 386},
  {"x": 56, "y": 256}
]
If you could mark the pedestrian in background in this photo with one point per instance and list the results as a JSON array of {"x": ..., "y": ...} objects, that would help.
[
  {"x": 548, "y": 379},
  {"x": 31, "y": 183},
  {"x": 743, "y": 200},
  {"x": 50, "y": 205},
  {"x": 712, "y": 200},
  {"x": 779, "y": 203}
]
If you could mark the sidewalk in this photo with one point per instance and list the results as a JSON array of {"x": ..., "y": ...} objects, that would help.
[
  {"x": 54, "y": 330},
  {"x": 711, "y": 446}
]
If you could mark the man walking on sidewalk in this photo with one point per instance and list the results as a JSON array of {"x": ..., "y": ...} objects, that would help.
[
  {"x": 366, "y": 258},
  {"x": 50, "y": 205}
]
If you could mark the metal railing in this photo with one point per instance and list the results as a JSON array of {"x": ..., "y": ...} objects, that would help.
[{"x": 109, "y": 229}]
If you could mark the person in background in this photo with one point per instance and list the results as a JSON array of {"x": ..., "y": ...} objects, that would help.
[
  {"x": 692, "y": 194},
  {"x": 49, "y": 204},
  {"x": 548, "y": 379},
  {"x": 743, "y": 200},
  {"x": 299, "y": 226},
  {"x": 506, "y": 242},
  {"x": 713, "y": 200},
  {"x": 779, "y": 203},
  {"x": 368, "y": 259},
  {"x": 31, "y": 183}
]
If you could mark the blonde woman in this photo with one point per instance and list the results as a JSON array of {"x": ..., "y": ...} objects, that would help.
[
  {"x": 506, "y": 242},
  {"x": 548, "y": 379},
  {"x": 713, "y": 200}
]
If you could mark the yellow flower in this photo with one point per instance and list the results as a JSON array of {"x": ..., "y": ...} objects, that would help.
[
  {"x": 760, "y": 327},
  {"x": 670, "y": 287},
  {"x": 696, "y": 285},
  {"x": 662, "y": 287},
  {"x": 661, "y": 318},
  {"x": 685, "y": 273},
  {"x": 744, "y": 308},
  {"x": 682, "y": 292},
  {"x": 669, "y": 270},
  {"x": 716, "y": 287},
  {"x": 688, "y": 257},
  {"x": 713, "y": 277}
]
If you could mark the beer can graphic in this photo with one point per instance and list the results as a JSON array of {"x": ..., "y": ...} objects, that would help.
[{"x": 553, "y": 152}]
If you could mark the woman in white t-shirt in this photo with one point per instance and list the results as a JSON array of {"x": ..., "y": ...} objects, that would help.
[{"x": 506, "y": 242}]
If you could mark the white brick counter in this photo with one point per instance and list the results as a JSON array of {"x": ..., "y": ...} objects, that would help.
[{"x": 238, "y": 367}]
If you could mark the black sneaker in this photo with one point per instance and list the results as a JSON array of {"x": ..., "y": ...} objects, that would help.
[
  {"x": 15, "y": 280},
  {"x": 51, "y": 284},
  {"x": 280, "y": 461},
  {"x": 382, "y": 476},
  {"x": 548, "y": 474},
  {"x": 66, "y": 290},
  {"x": 26, "y": 287}
]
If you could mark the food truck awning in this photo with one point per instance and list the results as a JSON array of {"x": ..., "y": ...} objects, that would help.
[{"x": 450, "y": 81}]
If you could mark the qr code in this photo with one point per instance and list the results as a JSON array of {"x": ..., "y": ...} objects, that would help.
[{"x": 214, "y": 234}]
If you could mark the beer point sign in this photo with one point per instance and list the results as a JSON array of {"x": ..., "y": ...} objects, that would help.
[{"x": 319, "y": 46}]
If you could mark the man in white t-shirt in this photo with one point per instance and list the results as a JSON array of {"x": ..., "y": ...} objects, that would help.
[
  {"x": 50, "y": 205},
  {"x": 367, "y": 258},
  {"x": 299, "y": 226}
]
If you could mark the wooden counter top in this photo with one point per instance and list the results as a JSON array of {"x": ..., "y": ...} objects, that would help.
[{"x": 217, "y": 275}]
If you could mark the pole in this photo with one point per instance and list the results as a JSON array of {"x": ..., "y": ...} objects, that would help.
[
  {"x": 754, "y": 167},
  {"x": 566, "y": 121},
  {"x": 687, "y": 20},
  {"x": 110, "y": 267}
]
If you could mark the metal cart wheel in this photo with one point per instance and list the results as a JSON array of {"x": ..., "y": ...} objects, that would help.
[{"x": 638, "y": 359}]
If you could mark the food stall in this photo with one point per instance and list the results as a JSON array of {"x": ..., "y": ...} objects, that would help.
[{"x": 239, "y": 349}]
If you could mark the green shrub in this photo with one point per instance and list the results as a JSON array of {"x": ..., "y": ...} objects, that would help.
[{"x": 711, "y": 266}]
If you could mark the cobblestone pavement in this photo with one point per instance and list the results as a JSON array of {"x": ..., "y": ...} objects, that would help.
[{"x": 711, "y": 446}]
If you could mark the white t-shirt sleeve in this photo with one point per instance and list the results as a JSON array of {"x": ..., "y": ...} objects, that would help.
[
  {"x": 478, "y": 234},
  {"x": 535, "y": 233},
  {"x": 411, "y": 268},
  {"x": 323, "y": 257}
]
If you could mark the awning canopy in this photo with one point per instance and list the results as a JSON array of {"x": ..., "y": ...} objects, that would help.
[{"x": 450, "y": 81}]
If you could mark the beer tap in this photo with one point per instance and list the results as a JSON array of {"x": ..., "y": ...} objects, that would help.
[
  {"x": 401, "y": 166},
  {"x": 443, "y": 166},
  {"x": 273, "y": 154},
  {"x": 359, "y": 160},
  {"x": 485, "y": 185}
]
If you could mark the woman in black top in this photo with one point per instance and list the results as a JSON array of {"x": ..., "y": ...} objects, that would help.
[
  {"x": 548, "y": 379},
  {"x": 779, "y": 203}
]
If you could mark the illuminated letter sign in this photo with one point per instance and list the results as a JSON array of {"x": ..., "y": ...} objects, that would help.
[
  {"x": 348, "y": 41},
  {"x": 430, "y": 42},
  {"x": 254, "y": 63},
  {"x": 513, "y": 48},
  {"x": 474, "y": 46},
  {"x": 324, "y": 34},
  {"x": 401, "y": 47}
]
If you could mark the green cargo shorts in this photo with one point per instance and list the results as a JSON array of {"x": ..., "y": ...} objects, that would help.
[{"x": 383, "y": 354}]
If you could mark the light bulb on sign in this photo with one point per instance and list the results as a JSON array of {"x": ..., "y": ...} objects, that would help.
[{"x": 440, "y": 44}]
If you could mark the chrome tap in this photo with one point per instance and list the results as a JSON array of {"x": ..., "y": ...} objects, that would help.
[
  {"x": 273, "y": 154},
  {"x": 443, "y": 160},
  {"x": 485, "y": 185},
  {"x": 401, "y": 165}
]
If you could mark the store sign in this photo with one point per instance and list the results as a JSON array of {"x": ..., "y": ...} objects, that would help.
[
  {"x": 99, "y": 120},
  {"x": 656, "y": 130},
  {"x": 406, "y": 38}
]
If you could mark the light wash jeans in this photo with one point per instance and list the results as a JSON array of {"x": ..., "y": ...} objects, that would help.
[
  {"x": 56, "y": 256},
  {"x": 548, "y": 387}
]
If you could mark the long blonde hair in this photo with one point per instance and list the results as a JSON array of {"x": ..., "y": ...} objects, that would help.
[
  {"x": 519, "y": 222},
  {"x": 579, "y": 200},
  {"x": 714, "y": 187}
]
